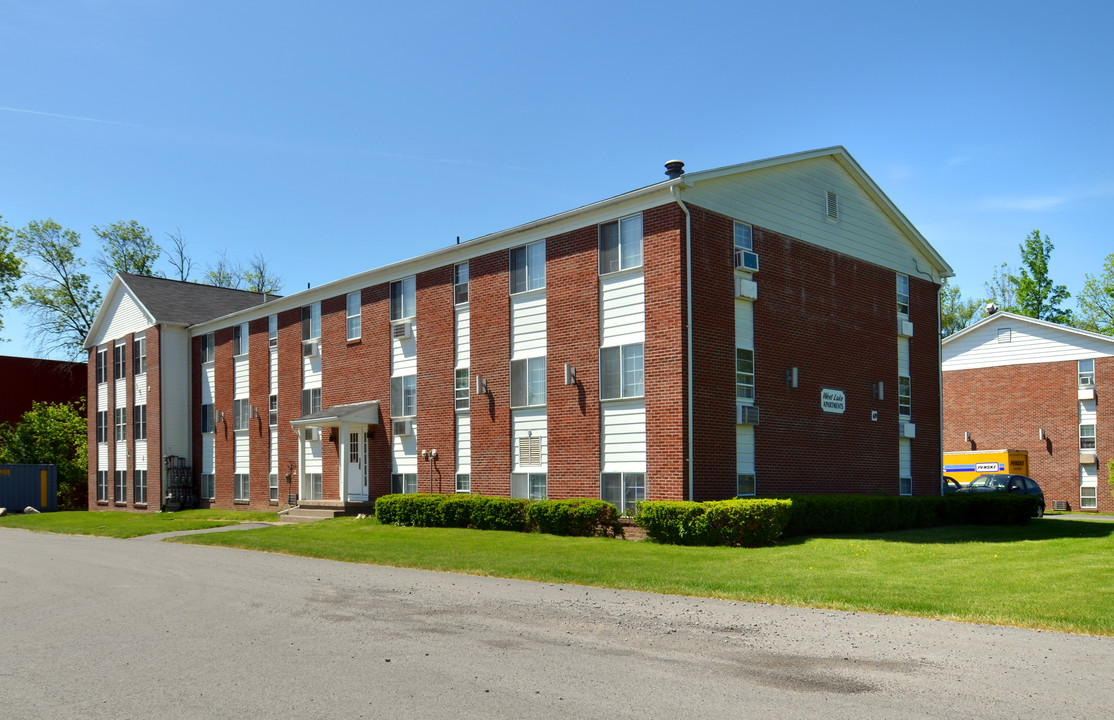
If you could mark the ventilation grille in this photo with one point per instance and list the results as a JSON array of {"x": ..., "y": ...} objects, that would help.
[
  {"x": 400, "y": 331},
  {"x": 530, "y": 451},
  {"x": 833, "y": 205}
]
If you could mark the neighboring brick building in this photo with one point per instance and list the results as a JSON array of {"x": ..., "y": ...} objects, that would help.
[
  {"x": 1016, "y": 382},
  {"x": 28, "y": 380},
  {"x": 571, "y": 357}
]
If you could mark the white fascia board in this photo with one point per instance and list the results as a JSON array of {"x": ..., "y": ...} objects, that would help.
[
  {"x": 116, "y": 286},
  {"x": 1025, "y": 319}
]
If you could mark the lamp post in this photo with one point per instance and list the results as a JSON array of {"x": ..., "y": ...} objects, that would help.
[{"x": 430, "y": 455}]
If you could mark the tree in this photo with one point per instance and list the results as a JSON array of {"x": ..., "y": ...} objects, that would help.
[
  {"x": 11, "y": 267},
  {"x": 59, "y": 296},
  {"x": 223, "y": 273},
  {"x": 127, "y": 247},
  {"x": 54, "y": 434},
  {"x": 258, "y": 277},
  {"x": 1096, "y": 302},
  {"x": 1037, "y": 296},
  {"x": 178, "y": 257},
  {"x": 955, "y": 312},
  {"x": 1002, "y": 288}
]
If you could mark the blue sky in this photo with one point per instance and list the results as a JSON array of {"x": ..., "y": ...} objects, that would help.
[{"x": 339, "y": 136}]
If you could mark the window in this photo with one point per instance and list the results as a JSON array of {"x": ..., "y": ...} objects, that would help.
[
  {"x": 121, "y": 417},
  {"x": 463, "y": 483},
  {"x": 313, "y": 485},
  {"x": 404, "y": 396},
  {"x": 139, "y": 495},
  {"x": 119, "y": 361},
  {"x": 744, "y": 237},
  {"x": 241, "y": 491},
  {"x": 139, "y": 356},
  {"x": 404, "y": 483},
  {"x": 241, "y": 413},
  {"x": 745, "y": 485},
  {"x": 208, "y": 418},
  {"x": 621, "y": 372},
  {"x": 311, "y": 322},
  {"x": 1086, "y": 373},
  {"x": 528, "y": 267},
  {"x": 102, "y": 426},
  {"x": 208, "y": 486},
  {"x": 102, "y": 365},
  {"x": 1088, "y": 497},
  {"x": 207, "y": 346},
  {"x": 121, "y": 489},
  {"x": 240, "y": 339},
  {"x": 906, "y": 486},
  {"x": 272, "y": 486},
  {"x": 102, "y": 486},
  {"x": 621, "y": 244},
  {"x": 902, "y": 294},
  {"x": 272, "y": 330},
  {"x": 528, "y": 382},
  {"x": 272, "y": 418},
  {"x": 311, "y": 401},
  {"x": 623, "y": 490},
  {"x": 139, "y": 422},
  {"x": 1087, "y": 437},
  {"x": 744, "y": 375},
  {"x": 352, "y": 315},
  {"x": 461, "y": 388},
  {"x": 904, "y": 397},
  {"x": 402, "y": 298},
  {"x": 460, "y": 284},
  {"x": 528, "y": 485}
]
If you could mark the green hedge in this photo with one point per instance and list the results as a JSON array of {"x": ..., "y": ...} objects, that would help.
[
  {"x": 835, "y": 514},
  {"x": 736, "y": 523},
  {"x": 579, "y": 516}
]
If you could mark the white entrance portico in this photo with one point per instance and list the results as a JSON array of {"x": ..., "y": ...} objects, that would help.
[{"x": 353, "y": 423}]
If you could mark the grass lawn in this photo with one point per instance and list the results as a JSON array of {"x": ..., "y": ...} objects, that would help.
[
  {"x": 127, "y": 525},
  {"x": 1054, "y": 574}
]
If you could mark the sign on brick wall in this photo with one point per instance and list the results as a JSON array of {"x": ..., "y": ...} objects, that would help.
[{"x": 833, "y": 401}]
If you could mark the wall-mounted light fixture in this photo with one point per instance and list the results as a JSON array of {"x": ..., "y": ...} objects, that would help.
[
  {"x": 220, "y": 416},
  {"x": 481, "y": 385},
  {"x": 1041, "y": 433},
  {"x": 791, "y": 377},
  {"x": 966, "y": 437},
  {"x": 570, "y": 374},
  {"x": 879, "y": 390}
]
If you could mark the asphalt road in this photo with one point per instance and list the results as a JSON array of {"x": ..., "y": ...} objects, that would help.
[{"x": 107, "y": 628}]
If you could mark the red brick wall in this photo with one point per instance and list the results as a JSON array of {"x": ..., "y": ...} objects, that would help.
[
  {"x": 91, "y": 383},
  {"x": 435, "y": 342},
  {"x": 1005, "y": 407},
  {"x": 289, "y": 399},
  {"x": 924, "y": 369},
  {"x": 259, "y": 429},
  {"x": 489, "y": 303},
  {"x": 224, "y": 453}
]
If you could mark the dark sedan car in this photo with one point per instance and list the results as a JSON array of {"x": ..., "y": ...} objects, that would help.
[
  {"x": 949, "y": 485},
  {"x": 1002, "y": 482}
]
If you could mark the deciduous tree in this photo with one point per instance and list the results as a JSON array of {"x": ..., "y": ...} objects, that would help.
[
  {"x": 127, "y": 247},
  {"x": 1096, "y": 302},
  {"x": 1037, "y": 296},
  {"x": 11, "y": 268},
  {"x": 54, "y": 434},
  {"x": 259, "y": 278},
  {"x": 177, "y": 256},
  {"x": 955, "y": 312}
]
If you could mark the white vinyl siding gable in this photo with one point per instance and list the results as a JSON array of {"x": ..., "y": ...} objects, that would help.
[
  {"x": 1029, "y": 343},
  {"x": 124, "y": 316}
]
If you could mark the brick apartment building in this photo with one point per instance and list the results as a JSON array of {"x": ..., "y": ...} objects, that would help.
[
  {"x": 1016, "y": 382},
  {"x": 568, "y": 357}
]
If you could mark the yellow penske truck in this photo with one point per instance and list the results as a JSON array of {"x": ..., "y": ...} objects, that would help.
[{"x": 966, "y": 465}]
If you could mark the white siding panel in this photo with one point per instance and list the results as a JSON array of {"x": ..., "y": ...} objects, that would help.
[
  {"x": 175, "y": 356},
  {"x": 121, "y": 393},
  {"x": 532, "y": 422},
  {"x": 744, "y": 324},
  {"x": 744, "y": 449},
  {"x": 121, "y": 456},
  {"x": 404, "y": 357},
  {"x": 274, "y": 451},
  {"x": 125, "y": 316},
  {"x": 141, "y": 454},
  {"x": 903, "y": 356},
  {"x": 274, "y": 371},
  {"x": 1087, "y": 412},
  {"x": 404, "y": 454},
  {"x": 624, "y": 436},
  {"x": 463, "y": 443},
  {"x": 208, "y": 450},
  {"x": 243, "y": 456},
  {"x": 208, "y": 384},
  {"x": 139, "y": 391},
  {"x": 905, "y": 457},
  {"x": 528, "y": 325},
  {"x": 102, "y": 456},
  {"x": 313, "y": 456},
  {"x": 463, "y": 337},
  {"x": 1029, "y": 343},
  {"x": 102, "y": 396},
  {"x": 1089, "y": 475},
  {"x": 240, "y": 377},
  {"x": 622, "y": 309},
  {"x": 311, "y": 372}
]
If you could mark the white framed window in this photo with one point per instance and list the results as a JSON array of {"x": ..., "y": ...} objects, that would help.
[
  {"x": 242, "y": 487},
  {"x": 314, "y": 486},
  {"x": 139, "y": 356},
  {"x": 404, "y": 483},
  {"x": 272, "y": 330},
  {"x": 460, "y": 284},
  {"x": 463, "y": 482},
  {"x": 461, "y": 388},
  {"x": 902, "y": 294},
  {"x": 272, "y": 486},
  {"x": 208, "y": 486},
  {"x": 745, "y": 485},
  {"x": 528, "y": 382},
  {"x": 240, "y": 339},
  {"x": 528, "y": 267},
  {"x": 119, "y": 361},
  {"x": 352, "y": 316},
  {"x": 1087, "y": 373},
  {"x": 102, "y": 365},
  {"x": 904, "y": 397},
  {"x": 311, "y": 401},
  {"x": 120, "y": 415},
  {"x": 620, "y": 244},
  {"x": 906, "y": 486},
  {"x": 208, "y": 418},
  {"x": 102, "y": 426},
  {"x": 623, "y": 489},
  {"x": 622, "y": 372},
  {"x": 272, "y": 415},
  {"x": 353, "y": 448},
  {"x": 139, "y": 422},
  {"x": 121, "y": 489},
  {"x": 1088, "y": 497},
  {"x": 207, "y": 348},
  {"x": 139, "y": 485},
  {"x": 403, "y": 298},
  {"x": 102, "y": 486},
  {"x": 1087, "y": 437},
  {"x": 744, "y": 236},
  {"x": 241, "y": 412},
  {"x": 311, "y": 321},
  {"x": 404, "y": 396},
  {"x": 531, "y": 486},
  {"x": 744, "y": 375}
]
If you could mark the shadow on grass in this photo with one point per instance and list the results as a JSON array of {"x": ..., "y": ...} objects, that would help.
[{"x": 1035, "y": 530}]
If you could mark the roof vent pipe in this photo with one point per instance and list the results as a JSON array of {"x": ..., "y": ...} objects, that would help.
[
  {"x": 991, "y": 308},
  {"x": 674, "y": 169}
]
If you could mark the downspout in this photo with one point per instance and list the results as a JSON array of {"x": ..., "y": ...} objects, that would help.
[
  {"x": 940, "y": 381},
  {"x": 676, "y": 193}
]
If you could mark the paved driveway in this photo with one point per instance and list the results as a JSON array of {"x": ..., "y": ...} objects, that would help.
[{"x": 107, "y": 628}]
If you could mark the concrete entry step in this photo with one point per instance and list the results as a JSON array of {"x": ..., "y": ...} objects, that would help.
[{"x": 300, "y": 514}]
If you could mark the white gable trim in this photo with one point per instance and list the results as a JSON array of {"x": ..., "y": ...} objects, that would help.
[{"x": 118, "y": 290}]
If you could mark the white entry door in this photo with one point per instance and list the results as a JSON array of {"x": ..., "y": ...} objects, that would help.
[{"x": 357, "y": 465}]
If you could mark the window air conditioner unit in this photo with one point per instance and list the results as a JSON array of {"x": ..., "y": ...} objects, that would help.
[
  {"x": 1087, "y": 393},
  {"x": 1086, "y": 381},
  {"x": 746, "y": 414},
  {"x": 745, "y": 288},
  {"x": 400, "y": 428},
  {"x": 904, "y": 328},
  {"x": 313, "y": 434},
  {"x": 400, "y": 330},
  {"x": 311, "y": 348},
  {"x": 908, "y": 430},
  {"x": 746, "y": 260}
]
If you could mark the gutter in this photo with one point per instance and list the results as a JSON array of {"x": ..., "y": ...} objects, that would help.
[{"x": 675, "y": 191}]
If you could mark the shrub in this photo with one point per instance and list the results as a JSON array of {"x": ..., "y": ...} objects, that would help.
[
  {"x": 456, "y": 511},
  {"x": 746, "y": 523},
  {"x": 412, "y": 510},
  {"x": 836, "y": 514},
  {"x": 581, "y": 517},
  {"x": 673, "y": 522},
  {"x": 499, "y": 513}
]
